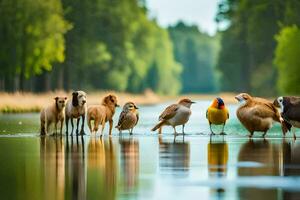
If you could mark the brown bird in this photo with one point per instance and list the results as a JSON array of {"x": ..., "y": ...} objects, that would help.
[
  {"x": 257, "y": 114},
  {"x": 175, "y": 115},
  {"x": 128, "y": 118},
  {"x": 290, "y": 111}
]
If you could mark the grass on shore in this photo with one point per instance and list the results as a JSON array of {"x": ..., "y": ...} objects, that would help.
[{"x": 31, "y": 102}]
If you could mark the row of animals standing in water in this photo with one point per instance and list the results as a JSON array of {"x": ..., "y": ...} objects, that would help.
[{"x": 256, "y": 114}]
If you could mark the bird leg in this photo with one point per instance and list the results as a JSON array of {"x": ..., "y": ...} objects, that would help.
[
  {"x": 211, "y": 131},
  {"x": 294, "y": 133},
  {"x": 250, "y": 135},
  {"x": 223, "y": 133},
  {"x": 264, "y": 134},
  {"x": 159, "y": 131},
  {"x": 175, "y": 133},
  {"x": 183, "y": 128},
  {"x": 130, "y": 131}
]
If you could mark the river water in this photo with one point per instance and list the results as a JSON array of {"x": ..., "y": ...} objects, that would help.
[{"x": 145, "y": 165}]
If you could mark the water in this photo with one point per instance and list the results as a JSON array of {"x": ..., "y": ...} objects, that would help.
[{"x": 145, "y": 165}]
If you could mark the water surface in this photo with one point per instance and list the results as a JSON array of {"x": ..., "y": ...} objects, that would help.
[{"x": 145, "y": 165}]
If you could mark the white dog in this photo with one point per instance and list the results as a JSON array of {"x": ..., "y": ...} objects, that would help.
[
  {"x": 53, "y": 114},
  {"x": 76, "y": 108}
]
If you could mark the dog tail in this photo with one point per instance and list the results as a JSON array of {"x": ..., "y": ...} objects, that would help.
[{"x": 158, "y": 126}]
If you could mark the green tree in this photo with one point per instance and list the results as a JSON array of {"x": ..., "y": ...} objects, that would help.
[
  {"x": 197, "y": 52},
  {"x": 287, "y": 60},
  {"x": 32, "y": 38}
]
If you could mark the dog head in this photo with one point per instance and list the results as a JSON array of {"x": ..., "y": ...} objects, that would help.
[
  {"x": 60, "y": 102},
  {"x": 110, "y": 100},
  {"x": 78, "y": 98}
]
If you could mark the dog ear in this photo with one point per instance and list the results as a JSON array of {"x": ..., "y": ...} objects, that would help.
[
  {"x": 56, "y": 98},
  {"x": 75, "y": 99}
]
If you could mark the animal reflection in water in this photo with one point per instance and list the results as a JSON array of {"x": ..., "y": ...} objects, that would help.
[
  {"x": 270, "y": 159},
  {"x": 63, "y": 167},
  {"x": 174, "y": 156},
  {"x": 217, "y": 158},
  {"x": 52, "y": 155},
  {"x": 130, "y": 163},
  {"x": 102, "y": 169},
  {"x": 76, "y": 167},
  {"x": 291, "y": 164}
]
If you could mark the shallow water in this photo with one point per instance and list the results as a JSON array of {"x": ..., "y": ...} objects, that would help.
[{"x": 145, "y": 165}]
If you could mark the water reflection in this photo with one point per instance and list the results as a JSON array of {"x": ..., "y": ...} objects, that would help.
[
  {"x": 174, "y": 156},
  {"x": 261, "y": 158},
  {"x": 102, "y": 169},
  {"x": 52, "y": 156},
  {"x": 263, "y": 153},
  {"x": 130, "y": 164},
  {"x": 291, "y": 164},
  {"x": 217, "y": 158}
]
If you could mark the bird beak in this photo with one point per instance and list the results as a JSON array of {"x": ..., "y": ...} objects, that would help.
[
  {"x": 117, "y": 105},
  {"x": 136, "y": 107},
  {"x": 238, "y": 98},
  {"x": 193, "y": 102}
]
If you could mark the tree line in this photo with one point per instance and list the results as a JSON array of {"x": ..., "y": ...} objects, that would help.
[
  {"x": 260, "y": 47},
  {"x": 102, "y": 44}
]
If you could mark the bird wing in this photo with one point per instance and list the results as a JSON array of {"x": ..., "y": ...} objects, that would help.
[
  {"x": 292, "y": 114},
  {"x": 207, "y": 114},
  {"x": 265, "y": 109},
  {"x": 137, "y": 118},
  {"x": 169, "y": 112},
  {"x": 121, "y": 117},
  {"x": 227, "y": 113},
  {"x": 292, "y": 110}
]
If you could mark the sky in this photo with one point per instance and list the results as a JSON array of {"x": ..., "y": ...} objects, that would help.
[{"x": 199, "y": 12}]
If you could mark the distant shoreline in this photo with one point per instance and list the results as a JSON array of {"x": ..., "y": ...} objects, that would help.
[{"x": 34, "y": 102}]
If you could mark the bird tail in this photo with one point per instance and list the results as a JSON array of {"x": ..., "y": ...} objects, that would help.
[{"x": 157, "y": 126}]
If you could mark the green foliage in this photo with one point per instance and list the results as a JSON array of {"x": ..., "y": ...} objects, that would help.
[
  {"x": 287, "y": 60},
  {"x": 123, "y": 45},
  {"x": 197, "y": 52},
  {"x": 31, "y": 33},
  {"x": 248, "y": 44}
]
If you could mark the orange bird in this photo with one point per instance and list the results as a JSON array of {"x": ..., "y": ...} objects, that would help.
[{"x": 217, "y": 114}]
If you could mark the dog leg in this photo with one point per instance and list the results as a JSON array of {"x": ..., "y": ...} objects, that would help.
[
  {"x": 89, "y": 122},
  {"x": 46, "y": 124},
  {"x": 110, "y": 126},
  {"x": 82, "y": 125},
  {"x": 55, "y": 127},
  {"x": 96, "y": 126},
  {"x": 77, "y": 129},
  {"x": 61, "y": 126},
  {"x": 103, "y": 125},
  {"x": 72, "y": 124},
  {"x": 67, "y": 123}
]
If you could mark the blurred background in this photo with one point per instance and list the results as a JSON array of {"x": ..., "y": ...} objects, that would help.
[{"x": 170, "y": 47}]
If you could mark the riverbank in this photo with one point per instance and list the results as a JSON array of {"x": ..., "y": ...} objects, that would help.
[{"x": 33, "y": 102}]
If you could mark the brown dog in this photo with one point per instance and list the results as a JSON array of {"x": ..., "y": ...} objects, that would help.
[
  {"x": 53, "y": 114},
  {"x": 102, "y": 113}
]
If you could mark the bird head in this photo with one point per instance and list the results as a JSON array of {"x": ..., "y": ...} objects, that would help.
[
  {"x": 218, "y": 103},
  {"x": 130, "y": 106},
  {"x": 186, "y": 102},
  {"x": 279, "y": 102},
  {"x": 243, "y": 97}
]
